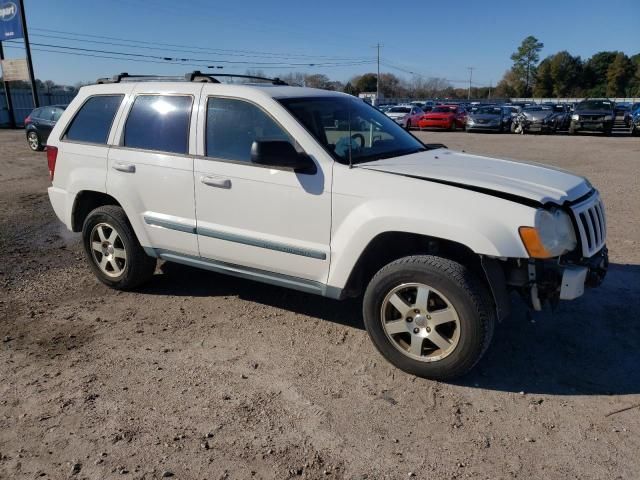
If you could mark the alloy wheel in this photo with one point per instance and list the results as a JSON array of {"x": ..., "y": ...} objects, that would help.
[
  {"x": 420, "y": 322},
  {"x": 34, "y": 143},
  {"x": 108, "y": 250}
]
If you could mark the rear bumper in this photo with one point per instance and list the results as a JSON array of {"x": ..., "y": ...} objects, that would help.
[{"x": 59, "y": 201}]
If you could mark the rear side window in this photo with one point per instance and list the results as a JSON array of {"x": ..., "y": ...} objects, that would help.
[
  {"x": 159, "y": 122},
  {"x": 233, "y": 125},
  {"x": 93, "y": 121},
  {"x": 57, "y": 112}
]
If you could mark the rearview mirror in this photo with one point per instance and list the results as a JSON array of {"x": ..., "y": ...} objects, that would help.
[{"x": 281, "y": 154}]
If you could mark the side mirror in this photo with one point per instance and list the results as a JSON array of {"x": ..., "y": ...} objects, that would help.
[{"x": 281, "y": 154}]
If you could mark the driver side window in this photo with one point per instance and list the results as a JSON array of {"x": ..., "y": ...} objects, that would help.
[{"x": 233, "y": 125}]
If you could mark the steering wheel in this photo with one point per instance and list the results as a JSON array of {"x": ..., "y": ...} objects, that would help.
[{"x": 360, "y": 137}]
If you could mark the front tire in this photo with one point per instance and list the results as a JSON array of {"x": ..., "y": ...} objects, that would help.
[
  {"x": 429, "y": 316},
  {"x": 408, "y": 125},
  {"x": 114, "y": 253}
]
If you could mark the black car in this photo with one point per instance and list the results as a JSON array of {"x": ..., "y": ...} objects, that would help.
[
  {"x": 39, "y": 124},
  {"x": 594, "y": 115},
  {"x": 562, "y": 116}
]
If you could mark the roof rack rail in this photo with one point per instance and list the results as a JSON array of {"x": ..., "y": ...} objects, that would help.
[{"x": 195, "y": 76}]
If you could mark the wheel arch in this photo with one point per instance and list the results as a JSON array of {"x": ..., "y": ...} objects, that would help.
[
  {"x": 86, "y": 201},
  {"x": 386, "y": 247}
]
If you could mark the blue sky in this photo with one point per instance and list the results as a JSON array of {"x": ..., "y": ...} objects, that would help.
[{"x": 433, "y": 38}]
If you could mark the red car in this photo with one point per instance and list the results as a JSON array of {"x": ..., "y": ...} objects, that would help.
[{"x": 444, "y": 116}]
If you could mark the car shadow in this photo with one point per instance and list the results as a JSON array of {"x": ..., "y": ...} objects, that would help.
[{"x": 590, "y": 346}]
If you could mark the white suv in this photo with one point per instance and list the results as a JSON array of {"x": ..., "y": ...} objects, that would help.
[{"x": 320, "y": 192}]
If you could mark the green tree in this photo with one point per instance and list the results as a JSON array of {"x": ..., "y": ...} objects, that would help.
[
  {"x": 525, "y": 60},
  {"x": 619, "y": 74},
  {"x": 595, "y": 73},
  {"x": 544, "y": 81},
  {"x": 566, "y": 73},
  {"x": 366, "y": 83},
  {"x": 350, "y": 89},
  {"x": 634, "y": 84}
]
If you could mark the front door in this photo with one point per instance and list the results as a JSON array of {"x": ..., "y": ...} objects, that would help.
[{"x": 262, "y": 219}]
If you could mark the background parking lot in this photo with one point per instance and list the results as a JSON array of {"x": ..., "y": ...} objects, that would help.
[{"x": 205, "y": 376}]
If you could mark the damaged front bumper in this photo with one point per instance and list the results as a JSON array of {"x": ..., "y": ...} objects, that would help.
[{"x": 542, "y": 281}]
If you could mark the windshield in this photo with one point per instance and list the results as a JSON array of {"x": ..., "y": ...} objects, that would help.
[
  {"x": 488, "y": 111},
  {"x": 350, "y": 129},
  {"x": 594, "y": 105},
  {"x": 400, "y": 109},
  {"x": 537, "y": 108},
  {"x": 442, "y": 110}
]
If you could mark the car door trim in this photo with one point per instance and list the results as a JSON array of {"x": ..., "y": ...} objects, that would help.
[
  {"x": 161, "y": 222},
  {"x": 256, "y": 242},
  {"x": 235, "y": 238}
]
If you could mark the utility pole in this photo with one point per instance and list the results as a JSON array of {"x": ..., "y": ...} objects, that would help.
[
  {"x": 32, "y": 78},
  {"x": 378, "y": 46},
  {"x": 7, "y": 94},
  {"x": 471, "y": 69},
  {"x": 490, "y": 85}
]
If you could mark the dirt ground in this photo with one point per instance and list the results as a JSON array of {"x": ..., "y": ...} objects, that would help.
[{"x": 203, "y": 376}]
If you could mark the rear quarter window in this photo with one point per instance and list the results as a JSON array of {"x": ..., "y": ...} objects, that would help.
[
  {"x": 93, "y": 121},
  {"x": 159, "y": 122}
]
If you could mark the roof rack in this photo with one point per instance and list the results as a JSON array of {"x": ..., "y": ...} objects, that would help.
[{"x": 195, "y": 76}]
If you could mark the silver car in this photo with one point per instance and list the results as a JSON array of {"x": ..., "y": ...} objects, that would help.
[
  {"x": 406, "y": 116},
  {"x": 489, "y": 117}
]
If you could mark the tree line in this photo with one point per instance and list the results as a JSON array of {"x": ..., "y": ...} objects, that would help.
[{"x": 604, "y": 74}]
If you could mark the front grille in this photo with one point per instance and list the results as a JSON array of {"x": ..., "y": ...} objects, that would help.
[
  {"x": 592, "y": 225},
  {"x": 592, "y": 118}
]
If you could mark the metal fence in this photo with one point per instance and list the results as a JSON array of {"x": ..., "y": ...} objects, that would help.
[
  {"x": 23, "y": 103},
  {"x": 572, "y": 100}
]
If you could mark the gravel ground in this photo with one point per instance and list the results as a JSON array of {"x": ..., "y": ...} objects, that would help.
[{"x": 203, "y": 376}]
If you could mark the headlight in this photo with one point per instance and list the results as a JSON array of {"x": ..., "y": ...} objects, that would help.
[
  {"x": 608, "y": 117},
  {"x": 470, "y": 120},
  {"x": 552, "y": 236},
  {"x": 575, "y": 117}
]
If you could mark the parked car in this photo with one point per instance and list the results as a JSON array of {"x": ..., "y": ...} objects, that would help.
[
  {"x": 489, "y": 118},
  {"x": 434, "y": 239},
  {"x": 444, "y": 116},
  {"x": 406, "y": 116},
  {"x": 628, "y": 116},
  {"x": 561, "y": 116},
  {"x": 535, "y": 118},
  {"x": 514, "y": 110},
  {"x": 634, "y": 124},
  {"x": 593, "y": 115},
  {"x": 39, "y": 123}
]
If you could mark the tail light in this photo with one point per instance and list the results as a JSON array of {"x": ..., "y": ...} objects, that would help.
[
  {"x": 27, "y": 120},
  {"x": 52, "y": 156}
]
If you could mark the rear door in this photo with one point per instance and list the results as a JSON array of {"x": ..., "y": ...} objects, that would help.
[{"x": 150, "y": 168}]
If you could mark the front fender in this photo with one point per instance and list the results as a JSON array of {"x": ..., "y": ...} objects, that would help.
[{"x": 485, "y": 224}]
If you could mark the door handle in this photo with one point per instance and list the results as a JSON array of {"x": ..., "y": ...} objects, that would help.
[
  {"x": 125, "y": 167},
  {"x": 216, "y": 182}
]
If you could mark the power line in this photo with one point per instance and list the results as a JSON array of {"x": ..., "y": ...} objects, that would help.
[
  {"x": 194, "y": 48},
  {"x": 158, "y": 60},
  {"x": 206, "y": 60}
]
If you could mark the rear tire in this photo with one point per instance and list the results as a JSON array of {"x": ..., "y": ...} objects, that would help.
[
  {"x": 33, "y": 140},
  {"x": 456, "y": 312},
  {"x": 114, "y": 253},
  {"x": 454, "y": 126}
]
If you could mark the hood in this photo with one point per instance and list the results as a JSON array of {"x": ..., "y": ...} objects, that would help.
[
  {"x": 439, "y": 114},
  {"x": 485, "y": 116},
  {"x": 525, "y": 182},
  {"x": 396, "y": 114},
  {"x": 593, "y": 112},
  {"x": 537, "y": 114}
]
